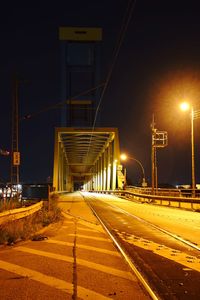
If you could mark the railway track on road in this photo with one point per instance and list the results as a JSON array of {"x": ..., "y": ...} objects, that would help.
[{"x": 166, "y": 264}]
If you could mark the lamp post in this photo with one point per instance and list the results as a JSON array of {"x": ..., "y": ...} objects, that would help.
[
  {"x": 125, "y": 157},
  {"x": 185, "y": 106}
]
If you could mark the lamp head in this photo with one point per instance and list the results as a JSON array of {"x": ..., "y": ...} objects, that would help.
[
  {"x": 123, "y": 156},
  {"x": 184, "y": 106}
]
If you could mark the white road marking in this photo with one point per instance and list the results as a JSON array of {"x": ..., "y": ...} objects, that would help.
[
  {"x": 82, "y": 262},
  {"x": 62, "y": 285},
  {"x": 91, "y": 237},
  {"x": 115, "y": 253}
]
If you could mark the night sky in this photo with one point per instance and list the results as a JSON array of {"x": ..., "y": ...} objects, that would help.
[{"x": 158, "y": 66}]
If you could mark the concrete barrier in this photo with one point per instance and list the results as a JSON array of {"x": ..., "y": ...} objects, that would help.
[{"x": 19, "y": 213}]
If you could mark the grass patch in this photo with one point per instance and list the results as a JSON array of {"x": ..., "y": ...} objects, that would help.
[
  {"x": 23, "y": 229},
  {"x": 9, "y": 204}
]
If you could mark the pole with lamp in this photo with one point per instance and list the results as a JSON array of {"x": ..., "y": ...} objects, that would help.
[
  {"x": 124, "y": 157},
  {"x": 193, "y": 115}
]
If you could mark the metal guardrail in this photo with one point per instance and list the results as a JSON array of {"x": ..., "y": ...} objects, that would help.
[
  {"x": 165, "y": 200},
  {"x": 19, "y": 213},
  {"x": 183, "y": 192}
]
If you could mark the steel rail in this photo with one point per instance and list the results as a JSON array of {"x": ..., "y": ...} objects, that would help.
[{"x": 126, "y": 257}]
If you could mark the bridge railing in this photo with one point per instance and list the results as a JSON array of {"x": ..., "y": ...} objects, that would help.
[
  {"x": 143, "y": 196},
  {"x": 160, "y": 191}
]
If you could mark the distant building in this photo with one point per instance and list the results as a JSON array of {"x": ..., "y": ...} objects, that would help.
[{"x": 80, "y": 72}]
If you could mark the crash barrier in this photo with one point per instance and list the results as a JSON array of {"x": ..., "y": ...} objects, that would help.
[
  {"x": 19, "y": 213},
  {"x": 172, "y": 201},
  {"x": 176, "y": 192}
]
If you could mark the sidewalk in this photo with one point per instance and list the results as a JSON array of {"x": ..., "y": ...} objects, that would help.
[
  {"x": 105, "y": 271},
  {"x": 75, "y": 259}
]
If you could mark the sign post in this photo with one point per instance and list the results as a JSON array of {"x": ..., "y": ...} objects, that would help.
[{"x": 159, "y": 140}]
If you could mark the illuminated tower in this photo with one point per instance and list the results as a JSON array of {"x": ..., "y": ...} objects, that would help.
[{"x": 80, "y": 72}]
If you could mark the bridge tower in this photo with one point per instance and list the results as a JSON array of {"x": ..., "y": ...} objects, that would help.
[
  {"x": 83, "y": 155},
  {"x": 80, "y": 72}
]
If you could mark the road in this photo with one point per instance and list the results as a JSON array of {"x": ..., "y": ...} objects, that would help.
[
  {"x": 74, "y": 259},
  {"x": 172, "y": 268}
]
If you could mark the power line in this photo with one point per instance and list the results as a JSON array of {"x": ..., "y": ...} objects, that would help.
[
  {"x": 125, "y": 23},
  {"x": 126, "y": 20},
  {"x": 54, "y": 106}
]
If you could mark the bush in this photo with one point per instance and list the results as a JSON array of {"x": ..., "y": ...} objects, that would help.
[
  {"x": 23, "y": 229},
  {"x": 9, "y": 204}
]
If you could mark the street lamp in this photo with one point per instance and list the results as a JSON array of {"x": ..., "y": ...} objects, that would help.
[
  {"x": 124, "y": 157},
  {"x": 184, "y": 107}
]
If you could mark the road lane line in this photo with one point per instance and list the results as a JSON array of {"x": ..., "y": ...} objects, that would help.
[
  {"x": 86, "y": 229},
  {"x": 115, "y": 253},
  {"x": 82, "y": 262},
  {"x": 91, "y": 237},
  {"x": 68, "y": 222},
  {"x": 80, "y": 228},
  {"x": 59, "y": 284},
  {"x": 96, "y": 227},
  {"x": 80, "y": 220}
]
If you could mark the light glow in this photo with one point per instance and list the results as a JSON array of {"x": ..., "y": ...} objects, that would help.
[
  {"x": 185, "y": 106},
  {"x": 123, "y": 156}
]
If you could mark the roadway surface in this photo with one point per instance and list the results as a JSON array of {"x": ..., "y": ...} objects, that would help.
[
  {"x": 74, "y": 259},
  {"x": 171, "y": 267}
]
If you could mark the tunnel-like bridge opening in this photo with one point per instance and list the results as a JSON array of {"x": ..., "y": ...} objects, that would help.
[{"x": 89, "y": 158}]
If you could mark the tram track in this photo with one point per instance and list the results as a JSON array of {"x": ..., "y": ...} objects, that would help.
[
  {"x": 127, "y": 258},
  {"x": 139, "y": 258}
]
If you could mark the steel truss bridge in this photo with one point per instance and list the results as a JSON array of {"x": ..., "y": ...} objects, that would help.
[{"x": 90, "y": 157}]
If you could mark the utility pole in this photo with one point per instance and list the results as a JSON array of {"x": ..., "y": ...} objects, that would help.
[
  {"x": 153, "y": 155},
  {"x": 159, "y": 140},
  {"x": 15, "y": 154},
  {"x": 192, "y": 154}
]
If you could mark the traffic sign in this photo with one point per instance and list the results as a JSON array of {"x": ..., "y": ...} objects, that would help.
[{"x": 16, "y": 158}]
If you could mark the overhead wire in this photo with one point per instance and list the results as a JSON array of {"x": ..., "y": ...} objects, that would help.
[
  {"x": 125, "y": 22},
  {"x": 29, "y": 116},
  {"x": 123, "y": 29}
]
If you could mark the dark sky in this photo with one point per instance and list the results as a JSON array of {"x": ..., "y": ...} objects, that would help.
[{"x": 158, "y": 65}]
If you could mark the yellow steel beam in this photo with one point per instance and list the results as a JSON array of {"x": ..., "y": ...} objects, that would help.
[{"x": 80, "y": 34}]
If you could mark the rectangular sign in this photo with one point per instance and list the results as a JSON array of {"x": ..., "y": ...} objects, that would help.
[
  {"x": 16, "y": 158},
  {"x": 160, "y": 139}
]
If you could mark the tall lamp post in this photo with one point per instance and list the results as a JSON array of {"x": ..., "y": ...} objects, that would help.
[
  {"x": 186, "y": 106},
  {"x": 125, "y": 157}
]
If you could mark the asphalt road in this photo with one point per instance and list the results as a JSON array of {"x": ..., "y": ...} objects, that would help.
[{"x": 171, "y": 267}]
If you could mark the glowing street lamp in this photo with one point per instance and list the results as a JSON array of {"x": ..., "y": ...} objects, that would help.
[
  {"x": 125, "y": 157},
  {"x": 185, "y": 107}
]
